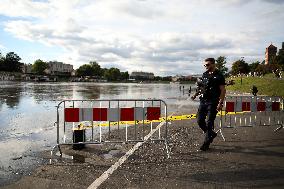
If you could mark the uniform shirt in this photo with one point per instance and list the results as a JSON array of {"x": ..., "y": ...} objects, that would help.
[{"x": 211, "y": 86}]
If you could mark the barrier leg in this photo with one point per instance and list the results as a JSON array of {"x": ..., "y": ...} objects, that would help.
[
  {"x": 126, "y": 138},
  {"x": 167, "y": 149},
  {"x": 230, "y": 121},
  {"x": 220, "y": 131},
  {"x": 278, "y": 128},
  {"x": 108, "y": 123},
  {"x": 151, "y": 125},
  {"x": 52, "y": 152},
  {"x": 281, "y": 124}
]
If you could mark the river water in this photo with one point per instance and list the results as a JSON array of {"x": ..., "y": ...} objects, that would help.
[{"x": 28, "y": 113}]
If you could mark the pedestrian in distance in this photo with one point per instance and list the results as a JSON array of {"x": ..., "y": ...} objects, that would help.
[
  {"x": 254, "y": 90},
  {"x": 211, "y": 89},
  {"x": 189, "y": 91}
]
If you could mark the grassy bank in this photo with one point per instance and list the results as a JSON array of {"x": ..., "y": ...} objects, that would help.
[{"x": 267, "y": 85}]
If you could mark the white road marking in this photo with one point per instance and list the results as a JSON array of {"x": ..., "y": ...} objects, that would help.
[{"x": 115, "y": 166}]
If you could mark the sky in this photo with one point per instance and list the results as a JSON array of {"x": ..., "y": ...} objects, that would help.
[{"x": 164, "y": 37}]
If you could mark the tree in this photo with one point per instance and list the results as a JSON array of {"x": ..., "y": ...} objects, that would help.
[
  {"x": 96, "y": 69},
  {"x": 279, "y": 58},
  {"x": 113, "y": 74},
  {"x": 261, "y": 69},
  {"x": 12, "y": 62},
  {"x": 124, "y": 75},
  {"x": 240, "y": 66},
  {"x": 104, "y": 70},
  {"x": 1, "y": 62},
  {"x": 39, "y": 66},
  {"x": 167, "y": 78},
  {"x": 253, "y": 66},
  {"x": 272, "y": 67},
  {"x": 220, "y": 64},
  {"x": 85, "y": 70}
]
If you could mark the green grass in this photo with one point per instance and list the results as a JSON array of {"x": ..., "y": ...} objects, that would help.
[{"x": 267, "y": 85}]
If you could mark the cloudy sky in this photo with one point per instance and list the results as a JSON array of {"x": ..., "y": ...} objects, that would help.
[{"x": 167, "y": 37}]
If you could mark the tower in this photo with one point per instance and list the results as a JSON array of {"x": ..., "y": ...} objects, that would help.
[{"x": 270, "y": 52}]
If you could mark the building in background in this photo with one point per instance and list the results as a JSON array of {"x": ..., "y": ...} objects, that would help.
[
  {"x": 177, "y": 78},
  {"x": 270, "y": 53},
  {"x": 59, "y": 68},
  {"x": 141, "y": 76},
  {"x": 27, "y": 68}
]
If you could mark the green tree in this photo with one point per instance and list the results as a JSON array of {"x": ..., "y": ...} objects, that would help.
[
  {"x": 85, "y": 70},
  {"x": 124, "y": 75},
  {"x": 272, "y": 67},
  {"x": 167, "y": 78},
  {"x": 220, "y": 64},
  {"x": 97, "y": 71},
  {"x": 39, "y": 66},
  {"x": 112, "y": 74},
  {"x": 261, "y": 69},
  {"x": 253, "y": 66},
  {"x": 104, "y": 70},
  {"x": 279, "y": 58},
  {"x": 12, "y": 62},
  {"x": 1, "y": 62},
  {"x": 240, "y": 66}
]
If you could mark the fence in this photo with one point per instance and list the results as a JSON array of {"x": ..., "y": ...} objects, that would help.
[
  {"x": 251, "y": 111},
  {"x": 102, "y": 120}
]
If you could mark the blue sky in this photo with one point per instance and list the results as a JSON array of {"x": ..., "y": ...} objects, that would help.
[{"x": 164, "y": 37}]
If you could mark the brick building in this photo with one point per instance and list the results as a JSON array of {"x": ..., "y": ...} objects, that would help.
[{"x": 270, "y": 52}]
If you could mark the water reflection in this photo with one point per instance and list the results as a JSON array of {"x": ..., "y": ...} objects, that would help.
[
  {"x": 49, "y": 92},
  {"x": 10, "y": 94},
  {"x": 90, "y": 92}
]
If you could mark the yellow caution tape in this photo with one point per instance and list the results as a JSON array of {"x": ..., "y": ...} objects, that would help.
[{"x": 162, "y": 119}]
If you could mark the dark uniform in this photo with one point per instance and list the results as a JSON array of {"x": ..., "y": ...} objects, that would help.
[{"x": 209, "y": 99}]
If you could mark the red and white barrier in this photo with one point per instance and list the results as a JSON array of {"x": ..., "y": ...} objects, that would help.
[
  {"x": 252, "y": 104},
  {"x": 259, "y": 110},
  {"x": 111, "y": 114}
]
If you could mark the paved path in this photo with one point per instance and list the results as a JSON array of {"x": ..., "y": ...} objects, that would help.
[{"x": 252, "y": 157}]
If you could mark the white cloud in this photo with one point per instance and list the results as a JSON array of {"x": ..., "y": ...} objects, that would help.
[
  {"x": 2, "y": 47},
  {"x": 23, "y": 8},
  {"x": 164, "y": 37}
]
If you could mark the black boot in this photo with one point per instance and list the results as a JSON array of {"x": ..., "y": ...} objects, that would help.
[
  {"x": 206, "y": 143},
  {"x": 212, "y": 136},
  {"x": 205, "y": 146}
]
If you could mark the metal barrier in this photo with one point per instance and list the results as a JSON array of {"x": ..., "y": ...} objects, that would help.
[
  {"x": 247, "y": 111},
  {"x": 103, "y": 119}
]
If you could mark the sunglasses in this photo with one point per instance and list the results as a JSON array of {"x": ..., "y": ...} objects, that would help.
[{"x": 206, "y": 65}]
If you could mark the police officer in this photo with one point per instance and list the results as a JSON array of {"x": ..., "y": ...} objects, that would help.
[{"x": 212, "y": 93}]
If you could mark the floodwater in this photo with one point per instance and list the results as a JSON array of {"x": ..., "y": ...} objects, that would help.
[{"x": 28, "y": 113}]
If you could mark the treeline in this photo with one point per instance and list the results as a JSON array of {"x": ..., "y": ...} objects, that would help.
[
  {"x": 275, "y": 66},
  {"x": 93, "y": 69},
  {"x": 242, "y": 67},
  {"x": 10, "y": 62},
  {"x": 255, "y": 68}
]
